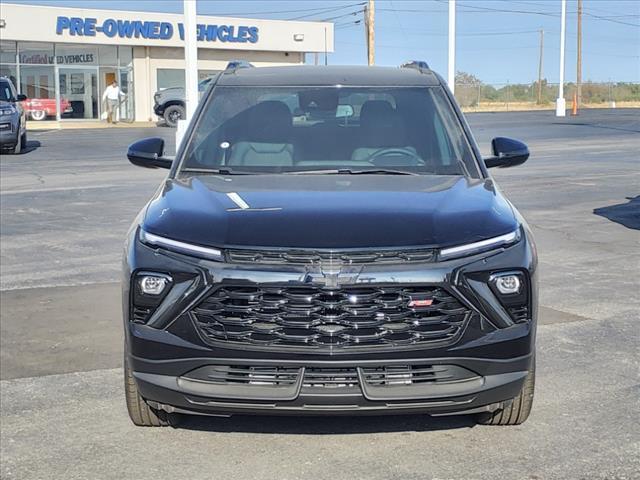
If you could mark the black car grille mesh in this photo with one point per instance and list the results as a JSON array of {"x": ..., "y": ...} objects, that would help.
[
  {"x": 330, "y": 378},
  {"x": 313, "y": 257},
  {"x": 247, "y": 375},
  {"x": 395, "y": 375},
  {"x": 326, "y": 379},
  {"x": 319, "y": 317}
]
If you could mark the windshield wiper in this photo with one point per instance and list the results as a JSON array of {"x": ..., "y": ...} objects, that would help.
[
  {"x": 220, "y": 171},
  {"x": 348, "y": 171}
]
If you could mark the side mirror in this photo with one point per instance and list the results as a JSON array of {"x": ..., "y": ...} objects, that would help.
[
  {"x": 148, "y": 153},
  {"x": 21, "y": 97},
  {"x": 507, "y": 152}
]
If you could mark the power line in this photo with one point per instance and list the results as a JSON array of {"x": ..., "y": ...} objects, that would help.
[
  {"x": 291, "y": 11},
  {"x": 611, "y": 19},
  {"x": 328, "y": 10}
]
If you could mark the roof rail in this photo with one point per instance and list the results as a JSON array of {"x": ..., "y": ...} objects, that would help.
[
  {"x": 235, "y": 64},
  {"x": 417, "y": 64}
]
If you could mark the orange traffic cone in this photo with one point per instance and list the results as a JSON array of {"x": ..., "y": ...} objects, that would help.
[{"x": 574, "y": 108}]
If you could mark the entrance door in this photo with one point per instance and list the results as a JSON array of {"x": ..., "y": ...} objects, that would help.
[
  {"x": 79, "y": 92},
  {"x": 127, "y": 107}
]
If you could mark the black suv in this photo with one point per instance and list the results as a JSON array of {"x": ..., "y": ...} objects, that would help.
[{"x": 328, "y": 241}]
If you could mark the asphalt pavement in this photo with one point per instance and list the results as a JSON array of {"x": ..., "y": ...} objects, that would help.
[{"x": 66, "y": 204}]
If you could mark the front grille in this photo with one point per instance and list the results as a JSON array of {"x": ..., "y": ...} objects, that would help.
[
  {"x": 315, "y": 257},
  {"x": 395, "y": 375},
  {"x": 330, "y": 378},
  {"x": 246, "y": 375},
  {"x": 371, "y": 316}
]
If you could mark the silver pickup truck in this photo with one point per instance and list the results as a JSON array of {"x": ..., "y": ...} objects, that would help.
[{"x": 169, "y": 103}]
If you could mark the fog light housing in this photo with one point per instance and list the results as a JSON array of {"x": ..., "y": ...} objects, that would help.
[
  {"x": 508, "y": 284},
  {"x": 152, "y": 284}
]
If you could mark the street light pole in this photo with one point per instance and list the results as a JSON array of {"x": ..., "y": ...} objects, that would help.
[
  {"x": 451, "y": 77},
  {"x": 190, "y": 68},
  {"x": 560, "y": 102},
  {"x": 190, "y": 57}
]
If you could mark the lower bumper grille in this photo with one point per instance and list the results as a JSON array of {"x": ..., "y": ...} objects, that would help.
[
  {"x": 286, "y": 383},
  {"x": 331, "y": 318}
]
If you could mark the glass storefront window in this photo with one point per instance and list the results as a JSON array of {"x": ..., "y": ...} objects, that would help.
[
  {"x": 67, "y": 54},
  {"x": 126, "y": 56},
  {"x": 108, "y": 55},
  {"x": 35, "y": 53},
  {"x": 7, "y": 52},
  {"x": 79, "y": 88},
  {"x": 37, "y": 82},
  {"x": 170, "y": 77},
  {"x": 83, "y": 72},
  {"x": 11, "y": 72}
]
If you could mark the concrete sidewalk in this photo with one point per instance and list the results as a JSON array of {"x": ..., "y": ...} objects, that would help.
[{"x": 85, "y": 124}]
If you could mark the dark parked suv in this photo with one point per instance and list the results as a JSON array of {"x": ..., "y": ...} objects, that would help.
[
  {"x": 13, "y": 120},
  {"x": 328, "y": 241}
]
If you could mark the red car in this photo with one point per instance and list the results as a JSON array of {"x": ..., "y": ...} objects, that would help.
[{"x": 41, "y": 108}]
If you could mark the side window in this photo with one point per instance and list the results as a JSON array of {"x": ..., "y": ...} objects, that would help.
[{"x": 447, "y": 125}]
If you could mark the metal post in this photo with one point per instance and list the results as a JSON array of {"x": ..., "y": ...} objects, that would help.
[
  {"x": 560, "y": 102},
  {"x": 190, "y": 68},
  {"x": 579, "y": 58},
  {"x": 451, "y": 77},
  {"x": 479, "y": 93},
  {"x": 190, "y": 57}
]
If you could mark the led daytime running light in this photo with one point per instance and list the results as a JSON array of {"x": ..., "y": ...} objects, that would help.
[
  {"x": 180, "y": 247},
  {"x": 481, "y": 246}
]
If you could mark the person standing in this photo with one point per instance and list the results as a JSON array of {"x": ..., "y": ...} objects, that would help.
[{"x": 111, "y": 96}]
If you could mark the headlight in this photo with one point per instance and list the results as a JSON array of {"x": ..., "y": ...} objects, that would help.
[
  {"x": 180, "y": 247},
  {"x": 481, "y": 246},
  {"x": 10, "y": 110}
]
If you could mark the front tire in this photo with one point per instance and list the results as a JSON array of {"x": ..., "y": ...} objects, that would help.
[
  {"x": 172, "y": 114},
  {"x": 519, "y": 408},
  {"x": 23, "y": 141},
  {"x": 140, "y": 413}
]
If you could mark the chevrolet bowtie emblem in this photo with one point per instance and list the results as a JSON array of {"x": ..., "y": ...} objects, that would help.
[{"x": 333, "y": 276}]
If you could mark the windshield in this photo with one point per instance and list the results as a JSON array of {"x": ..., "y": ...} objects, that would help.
[
  {"x": 329, "y": 130},
  {"x": 5, "y": 92}
]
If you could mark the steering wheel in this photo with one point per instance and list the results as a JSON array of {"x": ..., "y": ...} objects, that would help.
[{"x": 394, "y": 153}]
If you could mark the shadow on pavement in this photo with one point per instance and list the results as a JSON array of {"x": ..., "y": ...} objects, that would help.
[
  {"x": 324, "y": 425},
  {"x": 627, "y": 214},
  {"x": 31, "y": 146}
]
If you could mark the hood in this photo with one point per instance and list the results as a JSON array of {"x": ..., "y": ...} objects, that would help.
[{"x": 328, "y": 211}]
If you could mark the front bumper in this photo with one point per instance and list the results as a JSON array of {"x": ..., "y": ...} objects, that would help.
[
  {"x": 9, "y": 134},
  {"x": 158, "y": 109},
  {"x": 496, "y": 354}
]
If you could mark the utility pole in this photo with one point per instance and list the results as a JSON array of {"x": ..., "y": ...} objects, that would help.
[
  {"x": 579, "y": 57},
  {"x": 560, "y": 102},
  {"x": 369, "y": 15},
  {"x": 451, "y": 77},
  {"x": 540, "y": 67}
]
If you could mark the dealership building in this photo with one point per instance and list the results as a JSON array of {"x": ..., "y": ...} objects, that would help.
[{"x": 63, "y": 58}]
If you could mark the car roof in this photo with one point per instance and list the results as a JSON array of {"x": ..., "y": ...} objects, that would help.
[{"x": 312, "y": 75}]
